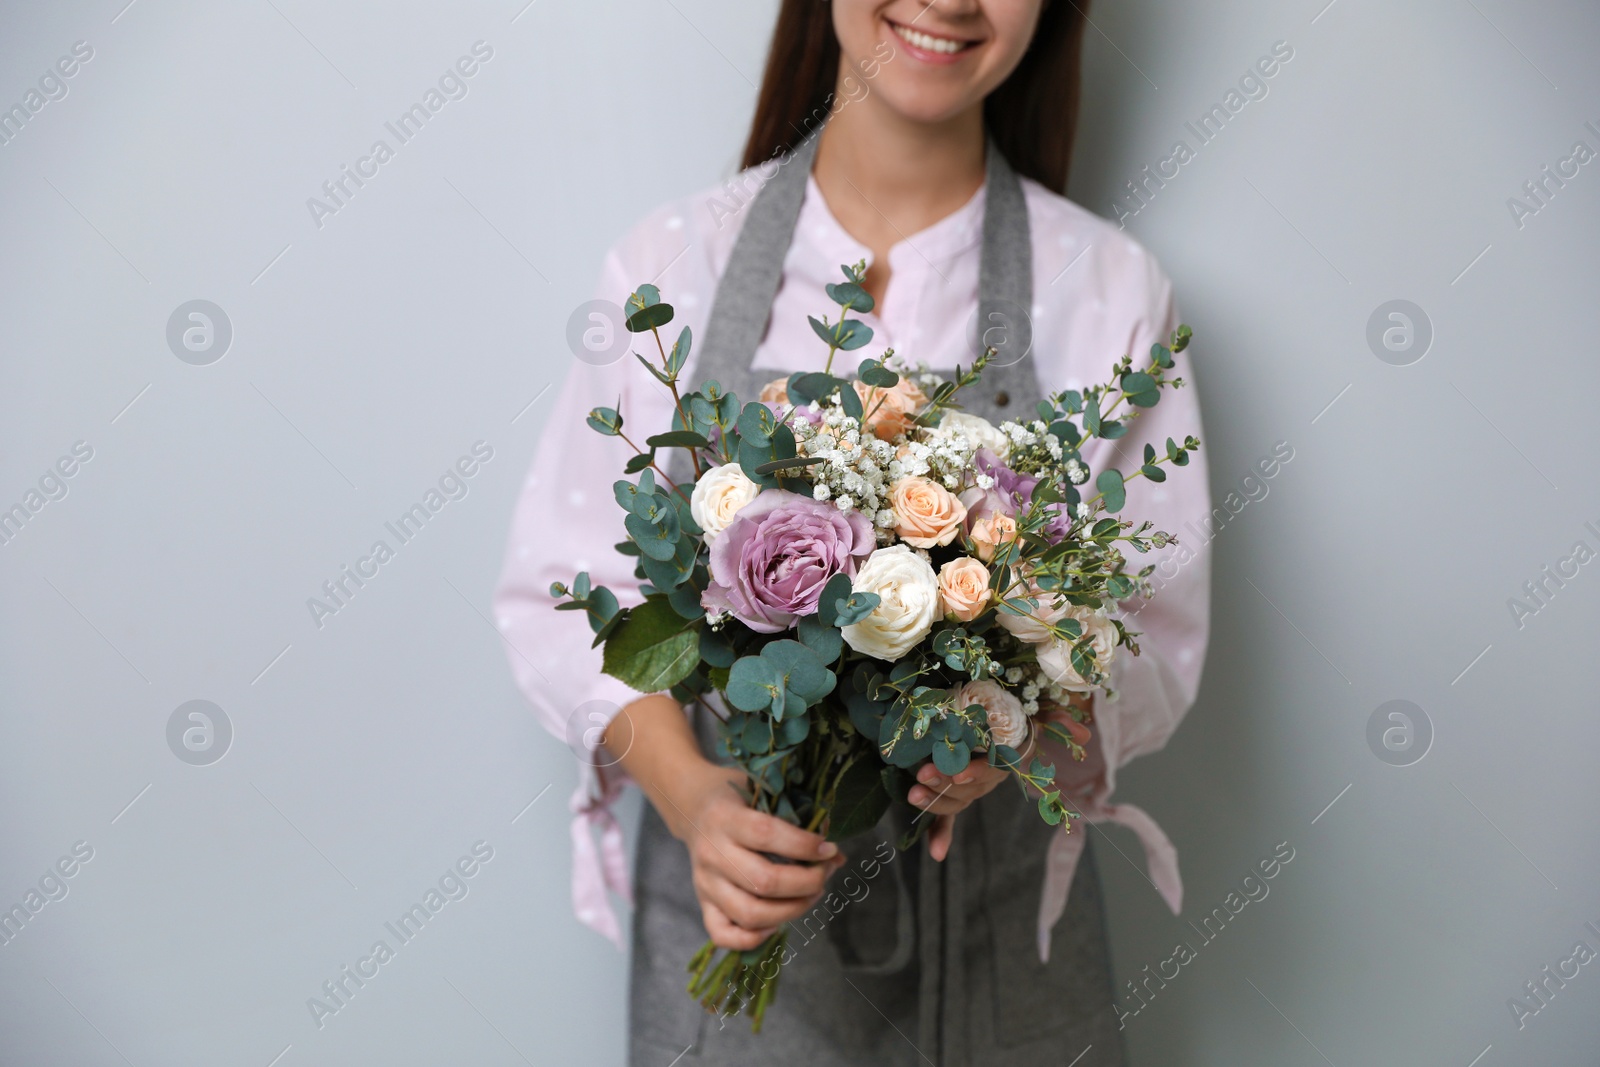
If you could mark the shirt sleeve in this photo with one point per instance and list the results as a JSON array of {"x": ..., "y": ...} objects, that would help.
[
  {"x": 1153, "y": 690},
  {"x": 567, "y": 520}
]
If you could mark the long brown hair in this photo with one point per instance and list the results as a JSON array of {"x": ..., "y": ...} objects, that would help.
[{"x": 1032, "y": 115}]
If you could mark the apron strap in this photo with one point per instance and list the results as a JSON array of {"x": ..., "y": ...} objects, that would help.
[{"x": 749, "y": 283}]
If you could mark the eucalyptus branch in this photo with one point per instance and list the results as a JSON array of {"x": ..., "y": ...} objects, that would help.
[{"x": 677, "y": 401}]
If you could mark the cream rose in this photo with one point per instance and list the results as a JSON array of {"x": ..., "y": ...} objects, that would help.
[
  {"x": 908, "y": 603},
  {"x": 889, "y": 412},
  {"x": 1008, "y": 723},
  {"x": 1034, "y": 627},
  {"x": 718, "y": 496},
  {"x": 992, "y": 531},
  {"x": 963, "y": 588},
  {"x": 977, "y": 429},
  {"x": 1055, "y": 656},
  {"x": 926, "y": 513}
]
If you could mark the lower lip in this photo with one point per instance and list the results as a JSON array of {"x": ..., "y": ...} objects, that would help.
[{"x": 925, "y": 56}]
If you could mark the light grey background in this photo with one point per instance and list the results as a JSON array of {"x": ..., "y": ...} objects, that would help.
[{"x": 367, "y": 355}]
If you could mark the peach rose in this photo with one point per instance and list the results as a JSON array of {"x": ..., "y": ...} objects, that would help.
[
  {"x": 890, "y": 412},
  {"x": 992, "y": 531},
  {"x": 775, "y": 392},
  {"x": 964, "y": 588},
  {"x": 926, "y": 513}
]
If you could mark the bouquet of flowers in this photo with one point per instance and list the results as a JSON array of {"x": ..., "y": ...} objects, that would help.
[{"x": 860, "y": 578}]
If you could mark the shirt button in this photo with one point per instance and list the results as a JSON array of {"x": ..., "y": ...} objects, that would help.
[{"x": 1002, "y": 398}]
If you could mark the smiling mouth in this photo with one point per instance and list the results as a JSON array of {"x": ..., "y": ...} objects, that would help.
[{"x": 927, "y": 42}]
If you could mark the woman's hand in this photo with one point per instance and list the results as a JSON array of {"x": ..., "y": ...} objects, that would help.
[
  {"x": 744, "y": 895},
  {"x": 946, "y": 797}
]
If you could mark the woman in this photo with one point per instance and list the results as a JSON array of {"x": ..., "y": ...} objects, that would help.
[{"x": 931, "y": 141}]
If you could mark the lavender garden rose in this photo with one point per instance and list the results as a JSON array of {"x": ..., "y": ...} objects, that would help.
[{"x": 770, "y": 564}]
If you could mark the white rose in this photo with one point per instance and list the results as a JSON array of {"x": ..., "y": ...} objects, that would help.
[
  {"x": 908, "y": 603},
  {"x": 980, "y": 431},
  {"x": 1055, "y": 657},
  {"x": 1008, "y": 723},
  {"x": 718, "y": 496},
  {"x": 1032, "y": 627}
]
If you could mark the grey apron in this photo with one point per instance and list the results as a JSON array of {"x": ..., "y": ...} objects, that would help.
[{"x": 904, "y": 961}]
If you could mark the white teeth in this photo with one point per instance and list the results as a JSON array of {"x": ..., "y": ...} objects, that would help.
[{"x": 929, "y": 43}]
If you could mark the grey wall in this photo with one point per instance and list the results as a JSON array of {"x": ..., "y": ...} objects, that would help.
[{"x": 370, "y": 754}]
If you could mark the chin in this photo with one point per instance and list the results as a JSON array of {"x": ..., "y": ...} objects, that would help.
[{"x": 924, "y": 100}]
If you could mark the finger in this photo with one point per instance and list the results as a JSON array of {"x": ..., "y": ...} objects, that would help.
[
  {"x": 760, "y": 832},
  {"x": 751, "y": 912},
  {"x": 939, "y": 838},
  {"x": 724, "y": 934},
  {"x": 981, "y": 773},
  {"x": 940, "y": 799},
  {"x": 931, "y": 776},
  {"x": 761, "y": 877}
]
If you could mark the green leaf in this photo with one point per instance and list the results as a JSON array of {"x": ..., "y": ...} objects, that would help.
[
  {"x": 653, "y": 648},
  {"x": 753, "y": 684},
  {"x": 871, "y": 372},
  {"x": 757, "y": 424},
  {"x": 803, "y": 388},
  {"x": 1161, "y": 355},
  {"x": 1137, "y": 382},
  {"x": 951, "y": 757},
  {"x": 650, "y": 539},
  {"x": 859, "y": 800},
  {"x": 606, "y": 421},
  {"x": 649, "y": 318},
  {"x": 850, "y": 400},
  {"x": 638, "y": 462},
  {"x": 677, "y": 439},
  {"x": 850, "y": 295},
  {"x": 660, "y": 375},
  {"x": 854, "y": 334},
  {"x": 788, "y": 464},
  {"x": 1110, "y": 484},
  {"x": 821, "y": 638},
  {"x": 680, "y": 351},
  {"x": 1154, "y": 473},
  {"x": 685, "y": 600},
  {"x": 1050, "y": 807},
  {"x": 803, "y": 672},
  {"x": 1091, "y": 415},
  {"x": 716, "y": 649}
]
